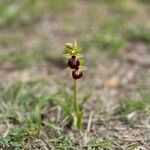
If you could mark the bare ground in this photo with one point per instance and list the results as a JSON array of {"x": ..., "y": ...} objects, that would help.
[{"x": 111, "y": 82}]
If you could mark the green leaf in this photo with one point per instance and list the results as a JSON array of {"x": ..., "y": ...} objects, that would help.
[{"x": 99, "y": 143}]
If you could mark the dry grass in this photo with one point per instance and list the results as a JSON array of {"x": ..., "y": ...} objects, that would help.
[{"x": 115, "y": 40}]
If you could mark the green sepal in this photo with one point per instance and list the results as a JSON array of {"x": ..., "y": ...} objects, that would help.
[
  {"x": 79, "y": 56},
  {"x": 82, "y": 68},
  {"x": 67, "y": 55}
]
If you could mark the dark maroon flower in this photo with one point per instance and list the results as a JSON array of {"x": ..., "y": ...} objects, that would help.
[
  {"x": 77, "y": 74},
  {"x": 73, "y": 62}
]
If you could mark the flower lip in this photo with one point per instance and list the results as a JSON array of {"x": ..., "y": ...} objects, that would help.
[{"x": 77, "y": 74}]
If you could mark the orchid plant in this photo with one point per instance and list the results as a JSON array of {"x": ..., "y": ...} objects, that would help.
[{"x": 75, "y": 63}]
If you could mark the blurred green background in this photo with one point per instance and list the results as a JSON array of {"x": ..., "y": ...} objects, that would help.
[
  {"x": 32, "y": 38},
  {"x": 33, "y": 31}
]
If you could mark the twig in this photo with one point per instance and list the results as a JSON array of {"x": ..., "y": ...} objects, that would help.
[{"x": 89, "y": 122}]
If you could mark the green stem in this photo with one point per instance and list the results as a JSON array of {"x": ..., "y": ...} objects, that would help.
[{"x": 76, "y": 107}]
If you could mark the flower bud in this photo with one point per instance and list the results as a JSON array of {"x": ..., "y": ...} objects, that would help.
[
  {"x": 77, "y": 74},
  {"x": 69, "y": 45}
]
